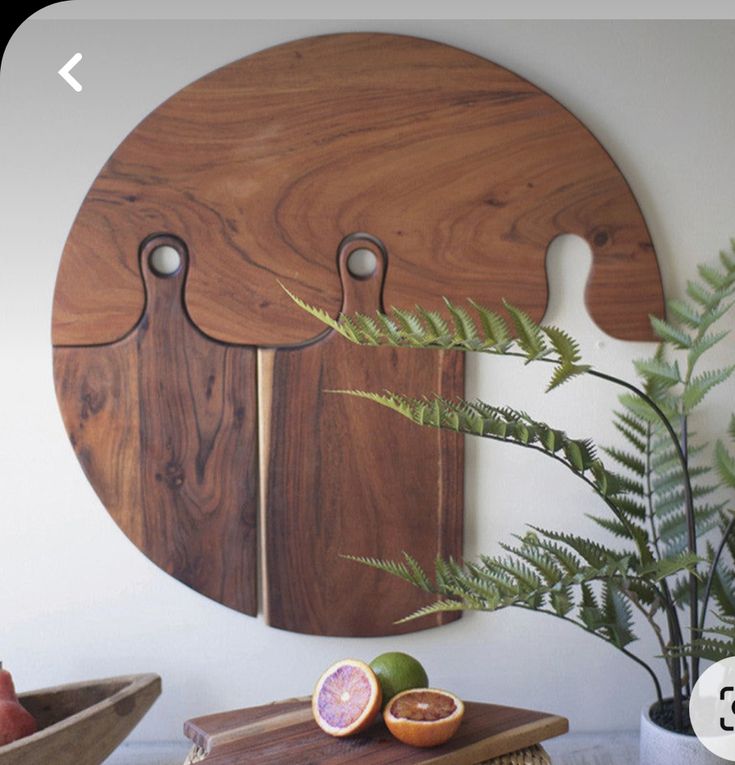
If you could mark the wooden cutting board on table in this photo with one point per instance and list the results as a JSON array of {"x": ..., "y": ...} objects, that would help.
[
  {"x": 458, "y": 172},
  {"x": 286, "y": 732}
]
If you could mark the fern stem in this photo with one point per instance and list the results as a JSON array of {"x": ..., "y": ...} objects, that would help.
[
  {"x": 629, "y": 654},
  {"x": 649, "y": 494},
  {"x": 692, "y": 544},
  {"x": 655, "y": 627},
  {"x": 672, "y": 615},
  {"x": 680, "y": 448}
]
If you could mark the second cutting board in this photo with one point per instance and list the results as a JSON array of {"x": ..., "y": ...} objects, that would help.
[{"x": 340, "y": 476}]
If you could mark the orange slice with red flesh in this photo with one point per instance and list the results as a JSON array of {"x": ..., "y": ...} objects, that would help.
[
  {"x": 424, "y": 716},
  {"x": 347, "y": 698}
]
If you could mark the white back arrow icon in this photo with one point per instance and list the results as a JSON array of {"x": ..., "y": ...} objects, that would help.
[{"x": 68, "y": 66}]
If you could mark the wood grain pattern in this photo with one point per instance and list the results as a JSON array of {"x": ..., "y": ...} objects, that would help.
[
  {"x": 463, "y": 169},
  {"x": 164, "y": 423},
  {"x": 342, "y": 476},
  {"x": 82, "y": 723},
  {"x": 286, "y": 732}
]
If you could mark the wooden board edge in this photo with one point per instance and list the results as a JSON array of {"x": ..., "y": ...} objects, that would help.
[
  {"x": 505, "y": 742},
  {"x": 511, "y": 741},
  {"x": 195, "y": 728},
  {"x": 265, "y": 361}
]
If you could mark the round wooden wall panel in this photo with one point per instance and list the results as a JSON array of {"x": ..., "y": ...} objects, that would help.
[
  {"x": 462, "y": 169},
  {"x": 189, "y": 388}
]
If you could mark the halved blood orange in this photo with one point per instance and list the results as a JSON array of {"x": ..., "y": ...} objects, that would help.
[
  {"x": 347, "y": 698},
  {"x": 424, "y": 716}
]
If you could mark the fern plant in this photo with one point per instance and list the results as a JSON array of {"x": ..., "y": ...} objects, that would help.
[{"x": 664, "y": 494}]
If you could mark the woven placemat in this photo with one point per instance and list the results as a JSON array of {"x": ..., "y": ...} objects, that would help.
[{"x": 534, "y": 755}]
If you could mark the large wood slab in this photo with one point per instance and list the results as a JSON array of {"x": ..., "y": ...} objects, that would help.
[
  {"x": 286, "y": 732},
  {"x": 164, "y": 423},
  {"x": 342, "y": 476},
  {"x": 464, "y": 170}
]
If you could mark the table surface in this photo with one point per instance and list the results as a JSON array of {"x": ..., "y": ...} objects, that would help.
[{"x": 572, "y": 749}]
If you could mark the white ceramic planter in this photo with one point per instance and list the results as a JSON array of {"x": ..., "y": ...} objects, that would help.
[{"x": 663, "y": 747}]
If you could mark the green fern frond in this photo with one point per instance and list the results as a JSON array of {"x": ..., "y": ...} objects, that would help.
[
  {"x": 580, "y": 453},
  {"x": 562, "y": 600},
  {"x": 634, "y": 464},
  {"x": 721, "y": 646},
  {"x": 725, "y": 465},
  {"x": 411, "y": 325},
  {"x": 494, "y": 326},
  {"x": 570, "y": 563},
  {"x": 673, "y": 530},
  {"x": 634, "y": 422},
  {"x": 703, "y": 344},
  {"x": 716, "y": 280},
  {"x": 710, "y": 649},
  {"x": 631, "y": 507},
  {"x": 436, "y": 324},
  {"x": 671, "y": 334},
  {"x": 317, "y": 313},
  {"x": 439, "y": 607},
  {"x": 615, "y": 526},
  {"x": 662, "y": 372},
  {"x": 428, "y": 329},
  {"x": 639, "y": 407},
  {"x": 529, "y": 334},
  {"x": 715, "y": 312},
  {"x": 618, "y": 616},
  {"x": 666, "y": 481},
  {"x": 684, "y": 312},
  {"x": 608, "y": 484},
  {"x": 369, "y": 332},
  {"x": 590, "y": 613},
  {"x": 566, "y": 347},
  {"x": 411, "y": 573},
  {"x": 631, "y": 486},
  {"x": 464, "y": 327},
  {"x": 417, "y": 573},
  {"x": 723, "y": 585},
  {"x": 594, "y": 554},
  {"x": 665, "y": 457},
  {"x": 525, "y": 578},
  {"x": 538, "y": 559},
  {"x": 674, "y": 501},
  {"x": 630, "y": 436},
  {"x": 499, "y": 423},
  {"x": 565, "y": 372},
  {"x": 391, "y": 332},
  {"x": 665, "y": 567},
  {"x": 701, "y": 385},
  {"x": 700, "y": 295}
]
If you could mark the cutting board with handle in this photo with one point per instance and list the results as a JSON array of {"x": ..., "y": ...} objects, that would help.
[
  {"x": 257, "y": 172},
  {"x": 286, "y": 732},
  {"x": 164, "y": 423},
  {"x": 341, "y": 476}
]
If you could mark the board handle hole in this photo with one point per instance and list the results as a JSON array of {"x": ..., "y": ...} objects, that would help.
[
  {"x": 165, "y": 260},
  {"x": 362, "y": 263}
]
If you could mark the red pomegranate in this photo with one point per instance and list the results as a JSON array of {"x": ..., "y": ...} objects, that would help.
[{"x": 15, "y": 721}]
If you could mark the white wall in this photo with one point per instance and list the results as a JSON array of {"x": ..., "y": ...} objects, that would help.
[{"x": 77, "y": 599}]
